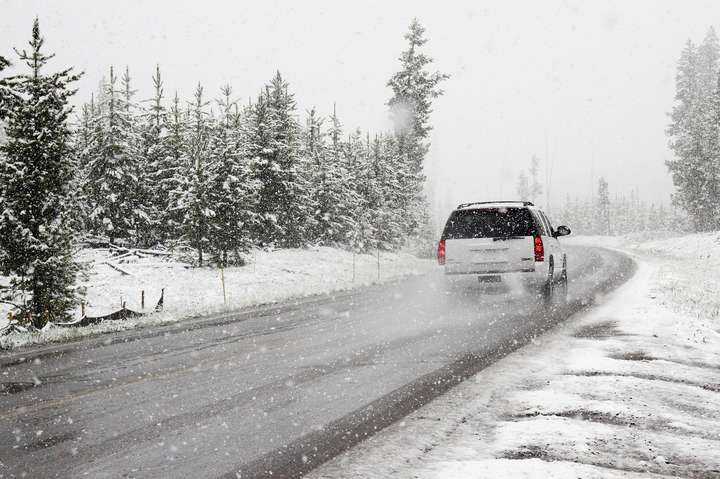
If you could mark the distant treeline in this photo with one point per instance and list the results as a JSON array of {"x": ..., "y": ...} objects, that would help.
[{"x": 619, "y": 214}]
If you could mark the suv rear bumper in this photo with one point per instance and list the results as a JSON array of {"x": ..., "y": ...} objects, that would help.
[
  {"x": 535, "y": 274},
  {"x": 469, "y": 269}
]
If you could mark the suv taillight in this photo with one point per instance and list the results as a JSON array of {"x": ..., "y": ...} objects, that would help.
[
  {"x": 441, "y": 252},
  {"x": 539, "y": 249}
]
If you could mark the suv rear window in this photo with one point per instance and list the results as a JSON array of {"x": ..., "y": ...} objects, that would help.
[{"x": 489, "y": 223}]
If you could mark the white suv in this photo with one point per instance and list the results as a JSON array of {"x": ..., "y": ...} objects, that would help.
[{"x": 504, "y": 241}]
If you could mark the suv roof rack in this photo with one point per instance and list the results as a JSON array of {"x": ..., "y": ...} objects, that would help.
[{"x": 465, "y": 205}]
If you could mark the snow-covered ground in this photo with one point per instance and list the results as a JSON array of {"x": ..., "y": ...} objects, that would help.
[
  {"x": 270, "y": 277},
  {"x": 628, "y": 389}
]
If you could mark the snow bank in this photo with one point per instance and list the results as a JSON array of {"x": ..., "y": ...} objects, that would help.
[
  {"x": 688, "y": 276},
  {"x": 270, "y": 277},
  {"x": 629, "y": 389}
]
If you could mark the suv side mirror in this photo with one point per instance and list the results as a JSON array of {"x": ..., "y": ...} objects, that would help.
[{"x": 562, "y": 231}]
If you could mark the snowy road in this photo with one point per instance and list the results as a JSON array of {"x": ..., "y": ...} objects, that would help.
[{"x": 272, "y": 388}]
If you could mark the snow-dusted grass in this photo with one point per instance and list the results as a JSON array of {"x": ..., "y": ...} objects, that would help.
[
  {"x": 628, "y": 389},
  {"x": 689, "y": 279},
  {"x": 269, "y": 277},
  {"x": 688, "y": 276}
]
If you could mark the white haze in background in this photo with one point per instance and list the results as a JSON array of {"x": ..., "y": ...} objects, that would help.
[{"x": 586, "y": 83}]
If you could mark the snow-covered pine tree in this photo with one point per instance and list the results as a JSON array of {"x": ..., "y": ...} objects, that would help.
[
  {"x": 190, "y": 198},
  {"x": 621, "y": 224},
  {"x": 681, "y": 128},
  {"x": 535, "y": 187},
  {"x": 341, "y": 195},
  {"x": 586, "y": 211},
  {"x": 142, "y": 217},
  {"x": 323, "y": 225},
  {"x": 285, "y": 207},
  {"x": 37, "y": 221},
  {"x": 652, "y": 218},
  {"x": 155, "y": 173},
  {"x": 661, "y": 218},
  {"x": 523, "y": 186},
  {"x": 414, "y": 89},
  {"x": 83, "y": 138},
  {"x": 113, "y": 168},
  {"x": 389, "y": 218},
  {"x": 232, "y": 189},
  {"x": 602, "y": 219},
  {"x": 708, "y": 129},
  {"x": 260, "y": 156},
  {"x": 171, "y": 174},
  {"x": 363, "y": 237},
  {"x": 693, "y": 133},
  {"x": 313, "y": 149},
  {"x": 711, "y": 160}
]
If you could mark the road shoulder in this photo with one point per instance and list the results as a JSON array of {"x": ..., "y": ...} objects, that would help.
[
  {"x": 630, "y": 388},
  {"x": 273, "y": 277}
]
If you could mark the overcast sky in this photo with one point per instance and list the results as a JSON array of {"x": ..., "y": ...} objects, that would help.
[{"x": 590, "y": 82}]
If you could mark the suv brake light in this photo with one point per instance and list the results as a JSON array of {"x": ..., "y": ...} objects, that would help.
[
  {"x": 539, "y": 249},
  {"x": 441, "y": 252}
]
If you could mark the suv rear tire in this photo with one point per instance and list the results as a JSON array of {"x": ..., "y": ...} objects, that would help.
[
  {"x": 548, "y": 289},
  {"x": 561, "y": 290}
]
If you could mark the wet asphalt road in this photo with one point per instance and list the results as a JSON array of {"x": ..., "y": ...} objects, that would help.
[{"x": 269, "y": 391}]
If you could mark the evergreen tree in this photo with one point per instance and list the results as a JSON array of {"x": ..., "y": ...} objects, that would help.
[
  {"x": 682, "y": 141},
  {"x": 332, "y": 195},
  {"x": 155, "y": 171},
  {"x": 388, "y": 194},
  {"x": 694, "y": 131},
  {"x": 662, "y": 223},
  {"x": 523, "y": 187},
  {"x": 285, "y": 208},
  {"x": 191, "y": 197},
  {"x": 414, "y": 89},
  {"x": 233, "y": 191},
  {"x": 535, "y": 187},
  {"x": 171, "y": 175},
  {"x": 603, "y": 208},
  {"x": 37, "y": 225},
  {"x": 113, "y": 167},
  {"x": 83, "y": 139},
  {"x": 339, "y": 196},
  {"x": 141, "y": 224},
  {"x": 363, "y": 210},
  {"x": 708, "y": 130}
]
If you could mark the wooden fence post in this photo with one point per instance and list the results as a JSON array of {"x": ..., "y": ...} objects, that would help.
[
  {"x": 222, "y": 278},
  {"x": 378, "y": 263},
  {"x": 142, "y": 299}
]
